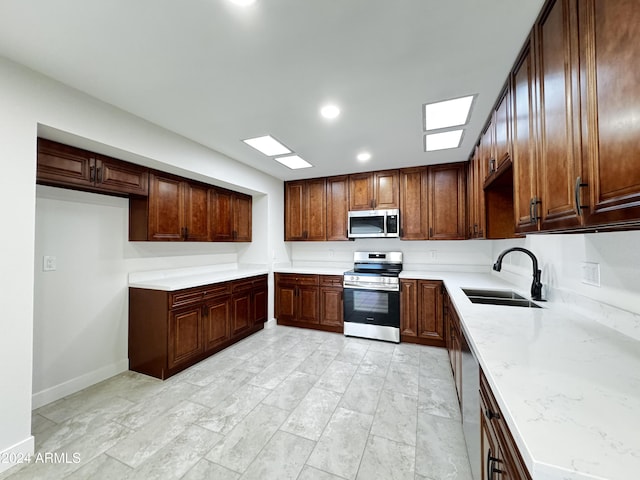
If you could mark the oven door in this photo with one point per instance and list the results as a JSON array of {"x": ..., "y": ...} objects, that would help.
[{"x": 372, "y": 314}]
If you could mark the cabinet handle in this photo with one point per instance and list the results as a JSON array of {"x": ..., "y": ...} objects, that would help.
[
  {"x": 533, "y": 210},
  {"x": 430, "y": 232},
  {"x": 490, "y": 415},
  {"x": 492, "y": 165},
  {"x": 92, "y": 173},
  {"x": 576, "y": 192},
  {"x": 99, "y": 175},
  {"x": 491, "y": 469}
]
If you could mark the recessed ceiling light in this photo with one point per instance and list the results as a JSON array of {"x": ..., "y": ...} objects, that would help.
[
  {"x": 449, "y": 113},
  {"x": 330, "y": 111},
  {"x": 364, "y": 156},
  {"x": 444, "y": 140},
  {"x": 243, "y": 3},
  {"x": 294, "y": 162},
  {"x": 267, "y": 145}
]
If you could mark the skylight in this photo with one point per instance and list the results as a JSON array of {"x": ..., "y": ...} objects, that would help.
[
  {"x": 446, "y": 114},
  {"x": 443, "y": 140},
  {"x": 267, "y": 145},
  {"x": 294, "y": 162}
]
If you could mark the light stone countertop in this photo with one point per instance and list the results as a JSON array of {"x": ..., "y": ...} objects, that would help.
[
  {"x": 178, "y": 279},
  {"x": 568, "y": 386}
]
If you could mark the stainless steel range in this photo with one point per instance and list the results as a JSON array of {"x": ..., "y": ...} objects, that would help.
[{"x": 372, "y": 296}]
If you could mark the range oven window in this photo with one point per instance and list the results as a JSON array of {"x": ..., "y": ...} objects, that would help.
[
  {"x": 367, "y": 225},
  {"x": 372, "y": 307},
  {"x": 368, "y": 301}
]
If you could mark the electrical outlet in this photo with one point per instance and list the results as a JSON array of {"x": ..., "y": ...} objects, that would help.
[
  {"x": 591, "y": 273},
  {"x": 48, "y": 263}
]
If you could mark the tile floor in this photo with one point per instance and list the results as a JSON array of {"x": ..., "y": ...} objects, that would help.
[{"x": 285, "y": 403}]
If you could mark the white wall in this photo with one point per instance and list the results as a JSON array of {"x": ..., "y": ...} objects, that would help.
[
  {"x": 465, "y": 255},
  {"x": 31, "y": 103}
]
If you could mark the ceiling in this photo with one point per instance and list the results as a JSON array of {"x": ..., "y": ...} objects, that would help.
[{"x": 218, "y": 73}]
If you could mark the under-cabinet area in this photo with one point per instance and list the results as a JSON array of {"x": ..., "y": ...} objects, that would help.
[{"x": 171, "y": 330}]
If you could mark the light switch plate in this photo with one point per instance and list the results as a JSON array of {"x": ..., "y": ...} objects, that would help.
[
  {"x": 591, "y": 273},
  {"x": 48, "y": 263}
]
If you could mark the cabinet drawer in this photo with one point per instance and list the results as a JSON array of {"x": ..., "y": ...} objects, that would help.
[
  {"x": 241, "y": 285},
  {"x": 331, "y": 280},
  {"x": 182, "y": 298},
  {"x": 297, "y": 279},
  {"x": 216, "y": 290}
]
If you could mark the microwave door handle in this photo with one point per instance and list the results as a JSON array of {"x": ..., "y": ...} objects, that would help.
[{"x": 386, "y": 219}]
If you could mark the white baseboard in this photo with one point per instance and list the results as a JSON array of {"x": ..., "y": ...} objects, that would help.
[
  {"x": 76, "y": 384},
  {"x": 14, "y": 454}
]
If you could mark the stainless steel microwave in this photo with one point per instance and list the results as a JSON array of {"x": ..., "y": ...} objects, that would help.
[{"x": 374, "y": 223}]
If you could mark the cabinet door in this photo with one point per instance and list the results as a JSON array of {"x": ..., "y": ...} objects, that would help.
[
  {"x": 294, "y": 211},
  {"x": 361, "y": 191},
  {"x": 447, "y": 203},
  {"x": 260, "y": 305},
  {"x": 414, "y": 203},
  {"x": 242, "y": 217},
  {"x": 166, "y": 208},
  {"x": 487, "y": 156},
  {"x": 197, "y": 217},
  {"x": 217, "y": 321},
  {"x": 501, "y": 140},
  {"x": 558, "y": 101},
  {"x": 308, "y": 304},
  {"x": 386, "y": 187},
  {"x": 488, "y": 448},
  {"x": 286, "y": 300},
  {"x": 63, "y": 165},
  {"x": 337, "y": 208},
  {"x": 408, "y": 308},
  {"x": 525, "y": 188},
  {"x": 221, "y": 208},
  {"x": 241, "y": 312},
  {"x": 121, "y": 177},
  {"x": 430, "y": 320},
  {"x": 610, "y": 104},
  {"x": 185, "y": 336},
  {"x": 331, "y": 309},
  {"x": 481, "y": 214},
  {"x": 315, "y": 210}
]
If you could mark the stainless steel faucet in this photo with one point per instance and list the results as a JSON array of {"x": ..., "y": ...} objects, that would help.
[{"x": 536, "y": 286}]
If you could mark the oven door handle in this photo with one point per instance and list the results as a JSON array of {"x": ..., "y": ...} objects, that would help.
[{"x": 376, "y": 288}]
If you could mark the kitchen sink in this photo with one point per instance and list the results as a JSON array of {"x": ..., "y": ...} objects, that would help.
[{"x": 498, "y": 297}]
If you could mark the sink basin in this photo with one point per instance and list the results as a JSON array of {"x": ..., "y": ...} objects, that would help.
[
  {"x": 498, "y": 297},
  {"x": 472, "y": 292}
]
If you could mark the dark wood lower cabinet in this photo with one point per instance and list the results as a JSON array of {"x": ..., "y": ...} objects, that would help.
[
  {"x": 170, "y": 331},
  {"x": 501, "y": 458},
  {"x": 309, "y": 301},
  {"x": 421, "y": 312}
]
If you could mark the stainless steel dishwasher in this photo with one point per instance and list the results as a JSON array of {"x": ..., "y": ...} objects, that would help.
[{"x": 471, "y": 406}]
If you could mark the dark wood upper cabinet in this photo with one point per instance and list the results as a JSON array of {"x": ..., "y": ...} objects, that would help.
[
  {"x": 610, "y": 84},
  {"x": 433, "y": 202},
  {"x": 559, "y": 158},
  {"x": 374, "y": 190},
  {"x": 475, "y": 195},
  {"x": 65, "y": 166},
  {"x": 337, "y": 208},
  {"x": 242, "y": 217},
  {"x": 230, "y": 216},
  {"x": 196, "y": 216},
  {"x": 525, "y": 174},
  {"x": 305, "y": 210},
  {"x": 501, "y": 133},
  {"x": 221, "y": 207},
  {"x": 414, "y": 198},
  {"x": 165, "y": 207},
  {"x": 447, "y": 202}
]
